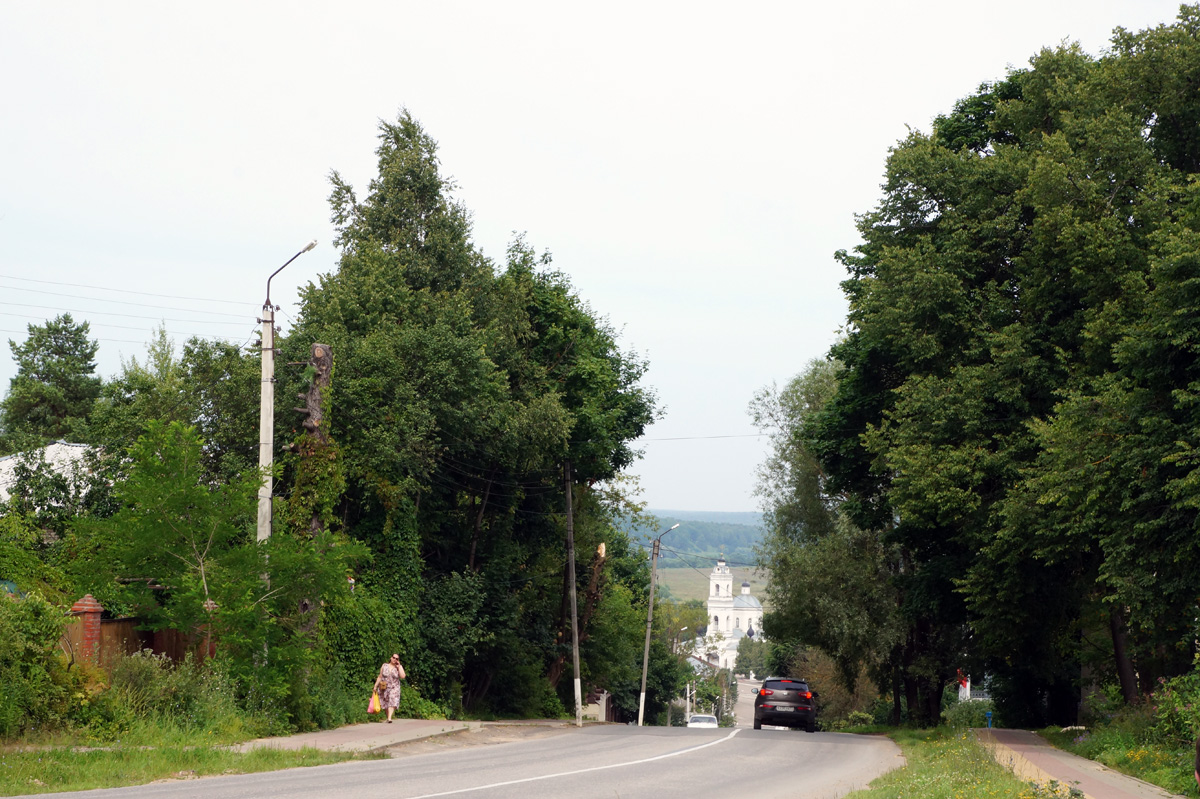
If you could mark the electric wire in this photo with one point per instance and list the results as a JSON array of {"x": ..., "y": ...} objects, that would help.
[
  {"x": 123, "y": 302},
  {"x": 115, "y": 313},
  {"x": 124, "y": 327},
  {"x": 121, "y": 291}
]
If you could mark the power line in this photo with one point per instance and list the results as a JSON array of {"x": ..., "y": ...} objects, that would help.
[
  {"x": 114, "y": 313},
  {"x": 124, "y": 302},
  {"x": 98, "y": 338},
  {"x": 119, "y": 327},
  {"x": 680, "y": 555},
  {"x": 120, "y": 291},
  {"x": 701, "y": 438}
]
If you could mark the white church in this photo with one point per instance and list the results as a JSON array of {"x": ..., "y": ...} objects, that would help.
[{"x": 730, "y": 617}]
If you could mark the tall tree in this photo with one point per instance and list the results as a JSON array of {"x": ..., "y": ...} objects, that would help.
[
  {"x": 829, "y": 583},
  {"x": 459, "y": 390},
  {"x": 52, "y": 394},
  {"x": 1013, "y": 407}
]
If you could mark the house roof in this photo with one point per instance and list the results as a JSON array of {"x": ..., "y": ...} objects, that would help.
[{"x": 59, "y": 456}]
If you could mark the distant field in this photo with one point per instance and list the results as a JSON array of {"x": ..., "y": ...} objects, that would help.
[{"x": 685, "y": 583}]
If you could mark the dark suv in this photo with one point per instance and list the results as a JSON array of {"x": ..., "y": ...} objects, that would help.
[{"x": 784, "y": 702}]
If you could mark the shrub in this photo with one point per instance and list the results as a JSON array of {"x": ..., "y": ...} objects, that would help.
[
  {"x": 857, "y": 718},
  {"x": 35, "y": 685},
  {"x": 882, "y": 708},
  {"x": 191, "y": 696},
  {"x": 1176, "y": 707},
  {"x": 961, "y": 715},
  {"x": 414, "y": 706}
]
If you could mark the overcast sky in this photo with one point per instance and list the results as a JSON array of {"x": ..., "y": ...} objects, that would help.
[{"x": 692, "y": 166}]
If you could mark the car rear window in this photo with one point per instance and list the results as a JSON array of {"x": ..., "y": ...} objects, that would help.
[{"x": 786, "y": 685}]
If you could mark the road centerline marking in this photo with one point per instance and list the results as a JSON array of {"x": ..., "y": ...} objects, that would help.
[{"x": 581, "y": 770}]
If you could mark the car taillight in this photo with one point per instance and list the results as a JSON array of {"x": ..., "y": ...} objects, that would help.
[
  {"x": 765, "y": 692},
  {"x": 808, "y": 694}
]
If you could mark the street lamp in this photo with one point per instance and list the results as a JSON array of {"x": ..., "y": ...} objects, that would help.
[
  {"x": 650, "y": 619},
  {"x": 266, "y": 410}
]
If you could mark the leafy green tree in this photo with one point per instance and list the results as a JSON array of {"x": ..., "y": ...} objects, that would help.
[
  {"x": 1009, "y": 411},
  {"x": 51, "y": 495},
  {"x": 752, "y": 657},
  {"x": 210, "y": 385},
  {"x": 181, "y": 554},
  {"x": 461, "y": 390},
  {"x": 52, "y": 393},
  {"x": 22, "y": 560},
  {"x": 831, "y": 582}
]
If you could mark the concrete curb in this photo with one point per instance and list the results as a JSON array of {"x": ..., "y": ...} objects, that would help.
[{"x": 369, "y": 737}]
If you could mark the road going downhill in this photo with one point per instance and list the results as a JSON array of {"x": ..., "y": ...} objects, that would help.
[{"x": 603, "y": 761}]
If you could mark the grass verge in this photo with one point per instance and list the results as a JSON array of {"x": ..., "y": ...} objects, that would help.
[
  {"x": 946, "y": 763},
  {"x": 77, "y": 768}
]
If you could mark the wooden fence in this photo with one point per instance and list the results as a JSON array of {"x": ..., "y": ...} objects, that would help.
[{"x": 102, "y": 641}]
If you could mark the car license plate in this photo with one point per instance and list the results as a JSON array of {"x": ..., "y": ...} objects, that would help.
[{"x": 784, "y": 709}]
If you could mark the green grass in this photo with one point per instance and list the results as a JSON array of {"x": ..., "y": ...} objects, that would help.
[
  {"x": 1123, "y": 749},
  {"x": 64, "y": 768},
  {"x": 948, "y": 764}
]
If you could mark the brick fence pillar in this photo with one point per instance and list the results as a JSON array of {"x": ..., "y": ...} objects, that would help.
[{"x": 89, "y": 610}]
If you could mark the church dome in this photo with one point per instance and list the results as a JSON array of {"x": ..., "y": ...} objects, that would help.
[{"x": 746, "y": 601}]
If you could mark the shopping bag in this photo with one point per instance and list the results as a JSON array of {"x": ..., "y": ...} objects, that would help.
[{"x": 373, "y": 705}]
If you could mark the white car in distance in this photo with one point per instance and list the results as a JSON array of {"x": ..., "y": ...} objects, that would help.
[{"x": 705, "y": 722}]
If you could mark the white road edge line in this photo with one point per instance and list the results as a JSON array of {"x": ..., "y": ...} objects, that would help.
[{"x": 580, "y": 771}]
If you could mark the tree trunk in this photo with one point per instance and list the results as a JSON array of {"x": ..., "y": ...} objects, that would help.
[
  {"x": 555, "y": 672},
  {"x": 487, "y": 492},
  {"x": 897, "y": 708},
  {"x": 1125, "y": 671},
  {"x": 592, "y": 597}
]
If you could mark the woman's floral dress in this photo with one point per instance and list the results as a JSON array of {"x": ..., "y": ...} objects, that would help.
[{"x": 389, "y": 675}]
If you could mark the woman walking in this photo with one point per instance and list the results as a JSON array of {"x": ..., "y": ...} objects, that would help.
[{"x": 388, "y": 685}]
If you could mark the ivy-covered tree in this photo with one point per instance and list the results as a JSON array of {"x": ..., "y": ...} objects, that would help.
[{"x": 461, "y": 390}]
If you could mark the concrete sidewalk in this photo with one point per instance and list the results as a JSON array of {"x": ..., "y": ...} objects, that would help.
[
  {"x": 1032, "y": 758},
  {"x": 378, "y": 735},
  {"x": 363, "y": 737}
]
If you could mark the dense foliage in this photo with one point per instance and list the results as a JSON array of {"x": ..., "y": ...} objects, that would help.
[
  {"x": 55, "y": 386},
  {"x": 424, "y": 515},
  {"x": 35, "y": 689},
  {"x": 1012, "y": 433}
]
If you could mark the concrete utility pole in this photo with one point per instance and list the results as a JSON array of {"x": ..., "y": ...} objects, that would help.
[
  {"x": 650, "y": 619},
  {"x": 571, "y": 588},
  {"x": 266, "y": 410}
]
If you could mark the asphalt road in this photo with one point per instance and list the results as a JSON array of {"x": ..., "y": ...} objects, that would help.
[{"x": 606, "y": 762}]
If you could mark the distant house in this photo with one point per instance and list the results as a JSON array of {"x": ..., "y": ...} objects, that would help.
[{"x": 61, "y": 457}]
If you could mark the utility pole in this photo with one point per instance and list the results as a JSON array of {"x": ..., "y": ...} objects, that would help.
[
  {"x": 266, "y": 410},
  {"x": 650, "y": 619},
  {"x": 571, "y": 588}
]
